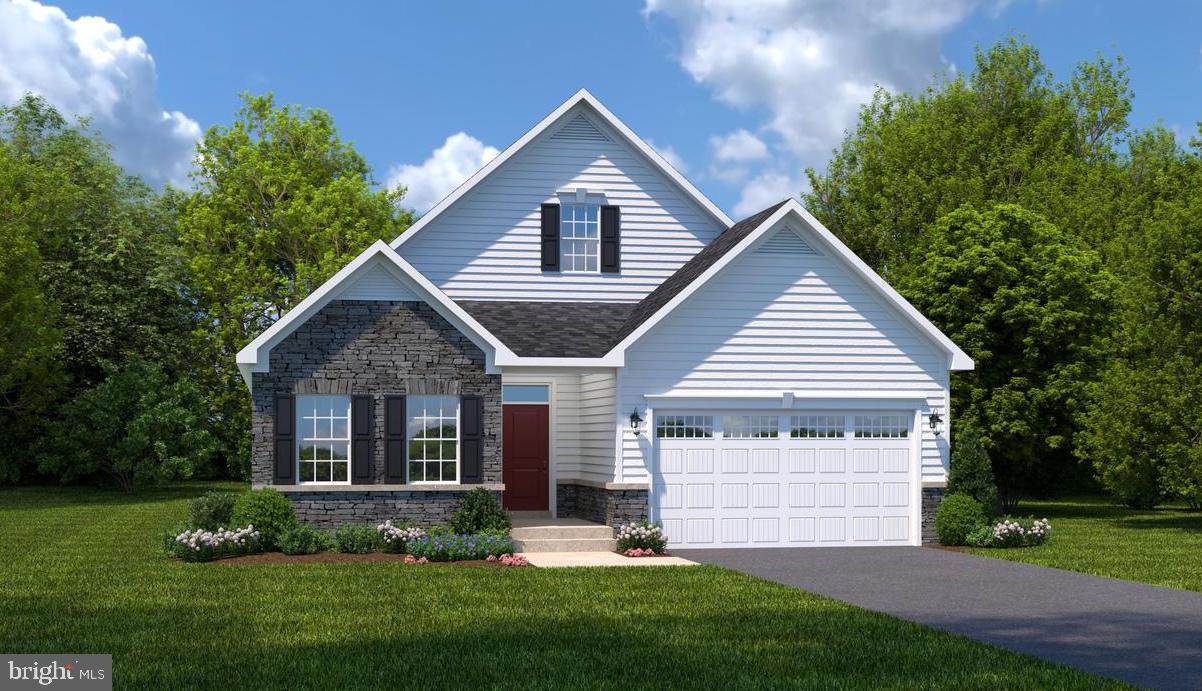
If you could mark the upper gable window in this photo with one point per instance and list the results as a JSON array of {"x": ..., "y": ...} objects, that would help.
[{"x": 580, "y": 237}]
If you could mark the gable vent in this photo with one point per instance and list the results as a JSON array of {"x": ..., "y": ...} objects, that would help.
[
  {"x": 786, "y": 241},
  {"x": 579, "y": 129}
]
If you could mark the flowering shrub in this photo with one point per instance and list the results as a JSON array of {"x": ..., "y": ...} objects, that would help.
[
  {"x": 642, "y": 536},
  {"x": 459, "y": 547},
  {"x": 1012, "y": 533},
  {"x": 509, "y": 560},
  {"x": 204, "y": 545},
  {"x": 648, "y": 552},
  {"x": 394, "y": 537},
  {"x": 410, "y": 559}
]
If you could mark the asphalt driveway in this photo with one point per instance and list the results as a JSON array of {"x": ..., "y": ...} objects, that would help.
[{"x": 1141, "y": 634}]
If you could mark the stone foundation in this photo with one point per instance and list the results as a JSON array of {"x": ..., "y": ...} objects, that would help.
[
  {"x": 612, "y": 507},
  {"x": 931, "y": 498},
  {"x": 332, "y": 509}
]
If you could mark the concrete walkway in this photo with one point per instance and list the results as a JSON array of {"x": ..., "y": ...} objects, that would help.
[
  {"x": 565, "y": 559},
  {"x": 1141, "y": 634}
]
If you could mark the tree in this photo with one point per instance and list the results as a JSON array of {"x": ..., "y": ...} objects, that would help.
[
  {"x": 138, "y": 427},
  {"x": 281, "y": 205},
  {"x": 1032, "y": 307},
  {"x": 971, "y": 471}
]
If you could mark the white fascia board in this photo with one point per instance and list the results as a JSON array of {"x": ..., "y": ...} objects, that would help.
[
  {"x": 581, "y": 96},
  {"x": 255, "y": 356},
  {"x": 608, "y": 361},
  {"x": 959, "y": 359}
]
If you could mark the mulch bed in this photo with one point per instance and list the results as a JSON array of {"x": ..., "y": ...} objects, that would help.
[{"x": 340, "y": 558}]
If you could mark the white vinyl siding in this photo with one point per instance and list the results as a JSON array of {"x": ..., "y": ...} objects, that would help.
[
  {"x": 774, "y": 323},
  {"x": 581, "y": 419},
  {"x": 378, "y": 283},
  {"x": 486, "y": 246}
]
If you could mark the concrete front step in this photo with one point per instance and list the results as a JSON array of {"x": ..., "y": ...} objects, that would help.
[
  {"x": 561, "y": 532},
  {"x": 585, "y": 544}
]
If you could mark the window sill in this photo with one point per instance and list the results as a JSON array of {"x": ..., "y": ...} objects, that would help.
[{"x": 497, "y": 487}]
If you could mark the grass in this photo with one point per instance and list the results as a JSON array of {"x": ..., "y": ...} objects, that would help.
[
  {"x": 1096, "y": 536},
  {"x": 81, "y": 571}
]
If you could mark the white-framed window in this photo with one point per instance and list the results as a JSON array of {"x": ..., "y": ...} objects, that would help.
[
  {"x": 817, "y": 427},
  {"x": 882, "y": 426},
  {"x": 580, "y": 237},
  {"x": 684, "y": 426},
  {"x": 433, "y": 427},
  {"x": 525, "y": 393},
  {"x": 751, "y": 427},
  {"x": 323, "y": 432}
]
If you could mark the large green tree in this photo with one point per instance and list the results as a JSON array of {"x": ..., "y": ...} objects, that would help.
[
  {"x": 1032, "y": 306},
  {"x": 281, "y": 204}
]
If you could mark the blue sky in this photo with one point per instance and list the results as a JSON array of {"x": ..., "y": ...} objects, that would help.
[{"x": 742, "y": 94}]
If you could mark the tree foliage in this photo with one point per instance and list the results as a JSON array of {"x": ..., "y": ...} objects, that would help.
[
  {"x": 281, "y": 204},
  {"x": 1032, "y": 307}
]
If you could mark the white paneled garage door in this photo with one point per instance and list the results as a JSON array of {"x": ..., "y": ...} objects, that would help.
[{"x": 788, "y": 479}]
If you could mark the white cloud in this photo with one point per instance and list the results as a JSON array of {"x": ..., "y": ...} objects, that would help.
[
  {"x": 764, "y": 190},
  {"x": 670, "y": 155},
  {"x": 460, "y": 156},
  {"x": 86, "y": 67},
  {"x": 810, "y": 64},
  {"x": 739, "y": 145}
]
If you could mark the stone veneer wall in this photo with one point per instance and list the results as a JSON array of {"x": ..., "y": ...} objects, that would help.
[
  {"x": 931, "y": 498},
  {"x": 378, "y": 348},
  {"x": 332, "y": 509},
  {"x": 612, "y": 507}
]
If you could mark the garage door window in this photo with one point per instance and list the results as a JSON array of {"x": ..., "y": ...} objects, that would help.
[
  {"x": 751, "y": 427},
  {"x": 685, "y": 427},
  {"x": 882, "y": 426},
  {"x": 817, "y": 427}
]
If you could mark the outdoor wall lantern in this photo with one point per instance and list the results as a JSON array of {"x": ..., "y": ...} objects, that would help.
[
  {"x": 635, "y": 421},
  {"x": 935, "y": 419}
]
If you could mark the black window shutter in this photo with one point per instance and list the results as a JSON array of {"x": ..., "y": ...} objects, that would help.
[
  {"x": 362, "y": 422},
  {"x": 550, "y": 237},
  {"x": 394, "y": 440},
  {"x": 471, "y": 440},
  {"x": 284, "y": 449},
  {"x": 611, "y": 239}
]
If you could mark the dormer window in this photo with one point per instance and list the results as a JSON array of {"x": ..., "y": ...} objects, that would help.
[{"x": 580, "y": 238}]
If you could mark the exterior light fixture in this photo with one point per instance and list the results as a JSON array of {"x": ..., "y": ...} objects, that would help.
[
  {"x": 635, "y": 421},
  {"x": 935, "y": 419}
]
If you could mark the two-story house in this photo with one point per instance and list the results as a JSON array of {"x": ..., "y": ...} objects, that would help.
[{"x": 578, "y": 329}]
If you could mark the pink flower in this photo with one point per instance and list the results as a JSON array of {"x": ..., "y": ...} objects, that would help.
[{"x": 491, "y": 557}]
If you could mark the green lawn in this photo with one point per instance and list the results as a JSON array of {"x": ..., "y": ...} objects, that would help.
[
  {"x": 80, "y": 571},
  {"x": 1095, "y": 535}
]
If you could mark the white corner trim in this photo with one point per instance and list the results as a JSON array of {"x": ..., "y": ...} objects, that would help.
[
  {"x": 958, "y": 358},
  {"x": 581, "y": 96},
  {"x": 255, "y": 356}
]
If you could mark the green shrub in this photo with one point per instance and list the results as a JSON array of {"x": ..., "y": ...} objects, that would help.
[
  {"x": 268, "y": 511},
  {"x": 957, "y": 516},
  {"x": 212, "y": 510},
  {"x": 972, "y": 471},
  {"x": 981, "y": 536},
  {"x": 357, "y": 539},
  {"x": 305, "y": 539},
  {"x": 459, "y": 547},
  {"x": 479, "y": 511}
]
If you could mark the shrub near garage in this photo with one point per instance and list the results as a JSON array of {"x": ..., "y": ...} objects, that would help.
[
  {"x": 641, "y": 537},
  {"x": 958, "y": 515}
]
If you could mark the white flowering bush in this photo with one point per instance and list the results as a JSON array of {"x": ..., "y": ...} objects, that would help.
[
  {"x": 1010, "y": 532},
  {"x": 641, "y": 536},
  {"x": 206, "y": 545},
  {"x": 394, "y": 537}
]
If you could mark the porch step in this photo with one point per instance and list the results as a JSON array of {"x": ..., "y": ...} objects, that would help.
[
  {"x": 586, "y": 544},
  {"x": 523, "y": 515},
  {"x": 584, "y": 531}
]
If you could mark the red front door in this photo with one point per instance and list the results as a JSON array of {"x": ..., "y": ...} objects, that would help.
[{"x": 525, "y": 461}]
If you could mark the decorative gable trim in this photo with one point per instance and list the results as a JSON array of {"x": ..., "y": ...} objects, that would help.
[
  {"x": 580, "y": 129},
  {"x": 787, "y": 241},
  {"x": 255, "y": 357},
  {"x": 610, "y": 121}
]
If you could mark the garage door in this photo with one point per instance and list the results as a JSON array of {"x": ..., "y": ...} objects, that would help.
[{"x": 785, "y": 479}]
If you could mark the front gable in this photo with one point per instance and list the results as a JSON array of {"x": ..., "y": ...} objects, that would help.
[{"x": 483, "y": 242}]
